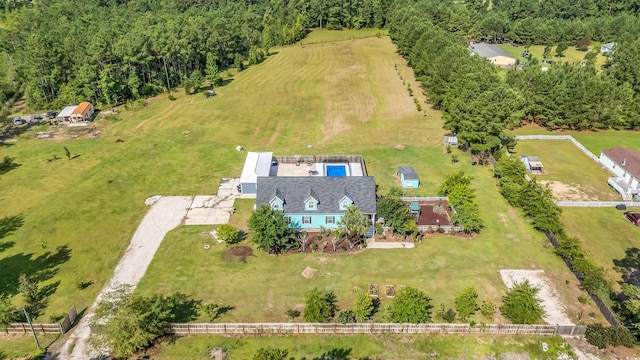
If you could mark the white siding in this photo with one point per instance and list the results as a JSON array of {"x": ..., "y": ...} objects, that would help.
[{"x": 611, "y": 166}]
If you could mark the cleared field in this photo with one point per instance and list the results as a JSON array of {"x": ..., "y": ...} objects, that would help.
[
  {"x": 324, "y": 35},
  {"x": 570, "y": 174},
  {"x": 361, "y": 347},
  {"x": 606, "y": 234}
]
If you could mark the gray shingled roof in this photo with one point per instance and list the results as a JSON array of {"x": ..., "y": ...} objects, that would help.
[
  {"x": 488, "y": 51},
  {"x": 408, "y": 172},
  {"x": 328, "y": 190}
]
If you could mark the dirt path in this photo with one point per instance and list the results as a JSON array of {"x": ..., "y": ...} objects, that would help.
[{"x": 166, "y": 214}]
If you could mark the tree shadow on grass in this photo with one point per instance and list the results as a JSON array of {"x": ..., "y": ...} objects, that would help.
[
  {"x": 223, "y": 310},
  {"x": 629, "y": 266},
  {"x": 39, "y": 269},
  {"x": 10, "y": 224},
  {"x": 186, "y": 308},
  {"x": 7, "y": 164}
]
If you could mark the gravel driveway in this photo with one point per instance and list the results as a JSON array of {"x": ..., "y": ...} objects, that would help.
[{"x": 163, "y": 216}]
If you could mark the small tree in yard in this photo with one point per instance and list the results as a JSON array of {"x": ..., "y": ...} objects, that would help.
[
  {"x": 8, "y": 313},
  {"x": 521, "y": 304},
  {"x": 467, "y": 303},
  {"x": 302, "y": 238},
  {"x": 126, "y": 323},
  {"x": 270, "y": 230},
  {"x": 354, "y": 224},
  {"x": 319, "y": 307},
  {"x": 271, "y": 354},
  {"x": 395, "y": 212},
  {"x": 29, "y": 289},
  {"x": 560, "y": 49},
  {"x": 410, "y": 305},
  {"x": 363, "y": 306},
  {"x": 228, "y": 234},
  {"x": 346, "y": 317}
]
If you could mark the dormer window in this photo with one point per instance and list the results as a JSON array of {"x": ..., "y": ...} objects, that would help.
[
  {"x": 345, "y": 202},
  {"x": 277, "y": 203},
  {"x": 311, "y": 204}
]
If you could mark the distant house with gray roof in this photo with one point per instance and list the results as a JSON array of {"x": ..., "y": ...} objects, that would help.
[
  {"x": 607, "y": 48},
  {"x": 493, "y": 54},
  {"x": 315, "y": 202}
]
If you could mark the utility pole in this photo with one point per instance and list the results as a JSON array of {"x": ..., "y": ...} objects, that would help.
[{"x": 26, "y": 314}]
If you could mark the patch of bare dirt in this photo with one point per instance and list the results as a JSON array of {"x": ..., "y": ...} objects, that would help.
[
  {"x": 238, "y": 253},
  {"x": 553, "y": 307},
  {"x": 573, "y": 192},
  {"x": 308, "y": 272}
]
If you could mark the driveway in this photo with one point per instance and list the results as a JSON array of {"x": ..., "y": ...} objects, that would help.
[{"x": 164, "y": 215}]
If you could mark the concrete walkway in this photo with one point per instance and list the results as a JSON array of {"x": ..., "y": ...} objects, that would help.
[
  {"x": 372, "y": 244},
  {"x": 165, "y": 214}
]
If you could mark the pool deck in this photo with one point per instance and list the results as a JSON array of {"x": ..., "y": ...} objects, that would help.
[{"x": 303, "y": 169}]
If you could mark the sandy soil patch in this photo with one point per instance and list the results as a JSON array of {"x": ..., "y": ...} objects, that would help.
[
  {"x": 573, "y": 192},
  {"x": 551, "y": 303},
  {"x": 308, "y": 272}
]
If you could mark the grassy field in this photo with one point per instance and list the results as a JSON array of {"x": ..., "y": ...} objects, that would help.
[
  {"x": 570, "y": 173},
  {"x": 341, "y": 97},
  {"x": 351, "y": 99},
  {"x": 323, "y": 35},
  {"x": 595, "y": 228},
  {"x": 361, "y": 346},
  {"x": 571, "y": 55}
]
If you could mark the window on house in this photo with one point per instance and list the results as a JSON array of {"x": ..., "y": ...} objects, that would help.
[
  {"x": 287, "y": 219},
  {"x": 330, "y": 220},
  {"x": 275, "y": 206},
  {"x": 312, "y": 204},
  {"x": 306, "y": 219},
  {"x": 345, "y": 203}
]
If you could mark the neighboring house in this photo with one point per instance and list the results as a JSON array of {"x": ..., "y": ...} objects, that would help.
[
  {"x": 65, "y": 114},
  {"x": 450, "y": 141},
  {"x": 494, "y": 54},
  {"x": 607, "y": 48},
  {"x": 315, "y": 202},
  {"x": 82, "y": 113},
  {"x": 532, "y": 163},
  {"x": 625, "y": 164},
  {"x": 257, "y": 164},
  {"x": 408, "y": 177}
]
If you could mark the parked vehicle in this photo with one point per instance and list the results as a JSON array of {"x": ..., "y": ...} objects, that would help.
[
  {"x": 633, "y": 217},
  {"x": 51, "y": 114}
]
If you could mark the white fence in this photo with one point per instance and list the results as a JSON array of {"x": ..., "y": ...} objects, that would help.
[
  {"x": 561, "y": 137},
  {"x": 373, "y": 328},
  {"x": 425, "y": 198},
  {"x": 597, "y": 203}
]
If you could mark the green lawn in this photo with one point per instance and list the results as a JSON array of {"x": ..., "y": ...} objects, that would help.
[
  {"x": 571, "y": 55},
  {"x": 568, "y": 171},
  {"x": 366, "y": 346},
  {"x": 22, "y": 346},
  {"x": 441, "y": 266},
  {"x": 604, "y": 233}
]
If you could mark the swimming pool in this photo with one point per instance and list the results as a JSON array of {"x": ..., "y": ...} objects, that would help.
[{"x": 336, "y": 170}]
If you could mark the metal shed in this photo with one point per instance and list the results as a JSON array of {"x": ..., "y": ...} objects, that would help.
[{"x": 256, "y": 165}]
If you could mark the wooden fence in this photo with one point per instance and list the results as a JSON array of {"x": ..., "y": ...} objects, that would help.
[
  {"x": 52, "y": 328},
  {"x": 446, "y": 228},
  {"x": 374, "y": 328},
  {"x": 425, "y": 198}
]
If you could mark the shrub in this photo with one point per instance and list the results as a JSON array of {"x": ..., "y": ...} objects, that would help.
[
  {"x": 363, "y": 307},
  {"x": 171, "y": 97},
  {"x": 487, "y": 308},
  {"x": 293, "y": 313},
  {"x": 271, "y": 354},
  {"x": 521, "y": 305},
  {"x": 378, "y": 229},
  {"x": 467, "y": 303},
  {"x": 228, "y": 234},
  {"x": 410, "y": 306},
  {"x": 55, "y": 318},
  {"x": 449, "y": 315},
  {"x": 346, "y": 317},
  {"x": 601, "y": 336},
  {"x": 582, "y": 299},
  {"x": 319, "y": 307}
]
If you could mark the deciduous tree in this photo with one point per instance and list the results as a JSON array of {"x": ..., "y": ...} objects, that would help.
[
  {"x": 410, "y": 305},
  {"x": 521, "y": 304},
  {"x": 270, "y": 230}
]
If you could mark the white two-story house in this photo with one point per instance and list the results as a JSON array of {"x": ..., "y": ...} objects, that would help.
[{"x": 624, "y": 163}]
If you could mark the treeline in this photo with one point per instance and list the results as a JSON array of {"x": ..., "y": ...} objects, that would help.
[
  {"x": 64, "y": 52},
  {"x": 479, "y": 105}
]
